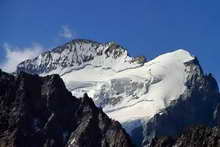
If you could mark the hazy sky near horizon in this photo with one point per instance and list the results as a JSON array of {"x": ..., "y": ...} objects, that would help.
[{"x": 144, "y": 27}]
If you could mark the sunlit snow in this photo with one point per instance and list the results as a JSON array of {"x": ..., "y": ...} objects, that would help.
[{"x": 133, "y": 95}]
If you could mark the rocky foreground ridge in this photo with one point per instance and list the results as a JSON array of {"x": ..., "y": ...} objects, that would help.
[
  {"x": 197, "y": 136},
  {"x": 40, "y": 112}
]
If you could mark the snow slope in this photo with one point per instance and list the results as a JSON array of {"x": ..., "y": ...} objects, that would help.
[
  {"x": 133, "y": 95},
  {"x": 128, "y": 90}
]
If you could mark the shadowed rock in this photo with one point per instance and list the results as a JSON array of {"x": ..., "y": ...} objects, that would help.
[
  {"x": 40, "y": 112},
  {"x": 198, "y": 136}
]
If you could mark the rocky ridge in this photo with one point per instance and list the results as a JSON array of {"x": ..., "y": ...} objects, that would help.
[
  {"x": 39, "y": 111},
  {"x": 77, "y": 54},
  {"x": 197, "y": 136}
]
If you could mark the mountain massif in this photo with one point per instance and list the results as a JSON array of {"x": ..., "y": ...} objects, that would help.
[{"x": 151, "y": 99}]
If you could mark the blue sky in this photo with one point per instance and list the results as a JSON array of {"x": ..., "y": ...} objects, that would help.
[{"x": 145, "y": 27}]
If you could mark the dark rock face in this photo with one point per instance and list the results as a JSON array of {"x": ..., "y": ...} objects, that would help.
[
  {"x": 199, "y": 136},
  {"x": 199, "y": 105},
  {"x": 37, "y": 112}
]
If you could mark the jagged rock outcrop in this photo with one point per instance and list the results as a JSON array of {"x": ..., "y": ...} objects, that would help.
[
  {"x": 199, "y": 105},
  {"x": 197, "y": 136},
  {"x": 40, "y": 112}
]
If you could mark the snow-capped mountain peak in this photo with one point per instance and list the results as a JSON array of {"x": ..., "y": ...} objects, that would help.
[{"x": 79, "y": 53}]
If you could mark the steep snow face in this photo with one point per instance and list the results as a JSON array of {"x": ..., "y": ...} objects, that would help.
[{"x": 128, "y": 89}]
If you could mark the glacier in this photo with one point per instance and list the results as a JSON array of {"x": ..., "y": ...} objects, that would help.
[{"x": 133, "y": 95}]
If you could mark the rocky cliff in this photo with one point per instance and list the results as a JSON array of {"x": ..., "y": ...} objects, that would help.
[{"x": 41, "y": 112}]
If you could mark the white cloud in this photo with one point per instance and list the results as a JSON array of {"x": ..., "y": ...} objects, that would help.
[
  {"x": 66, "y": 32},
  {"x": 15, "y": 55}
]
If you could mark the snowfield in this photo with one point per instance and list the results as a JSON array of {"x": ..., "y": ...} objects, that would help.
[{"x": 136, "y": 94}]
